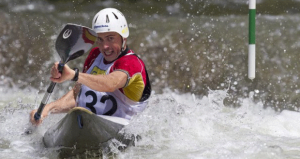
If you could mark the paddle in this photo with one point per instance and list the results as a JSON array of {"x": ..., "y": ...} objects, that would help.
[{"x": 72, "y": 42}]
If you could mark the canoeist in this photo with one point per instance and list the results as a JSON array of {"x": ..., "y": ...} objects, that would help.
[{"x": 114, "y": 80}]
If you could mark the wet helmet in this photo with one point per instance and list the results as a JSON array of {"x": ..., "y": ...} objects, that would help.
[{"x": 110, "y": 20}]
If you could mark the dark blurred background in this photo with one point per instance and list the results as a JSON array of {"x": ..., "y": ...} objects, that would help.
[{"x": 188, "y": 46}]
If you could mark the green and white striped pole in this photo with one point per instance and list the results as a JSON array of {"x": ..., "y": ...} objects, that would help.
[{"x": 251, "y": 51}]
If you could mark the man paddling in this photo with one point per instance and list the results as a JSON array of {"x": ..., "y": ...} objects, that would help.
[{"x": 114, "y": 80}]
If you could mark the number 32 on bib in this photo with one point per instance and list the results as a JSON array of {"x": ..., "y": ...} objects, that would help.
[{"x": 97, "y": 102}]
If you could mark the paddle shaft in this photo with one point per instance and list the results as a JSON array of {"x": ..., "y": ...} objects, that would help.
[{"x": 37, "y": 115}]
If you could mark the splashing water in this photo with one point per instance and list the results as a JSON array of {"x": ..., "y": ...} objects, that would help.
[
  {"x": 173, "y": 126},
  {"x": 211, "y": 39},
  {"x": 182, "y": 126}
]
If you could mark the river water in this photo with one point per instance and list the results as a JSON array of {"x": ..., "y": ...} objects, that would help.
[{"x": 202, "y": 106}]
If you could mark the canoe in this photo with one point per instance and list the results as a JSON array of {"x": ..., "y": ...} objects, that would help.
[{"x": 81, "y": 130}]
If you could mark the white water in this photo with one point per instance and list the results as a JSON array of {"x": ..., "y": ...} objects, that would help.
[{"x": 173, "y": 126}]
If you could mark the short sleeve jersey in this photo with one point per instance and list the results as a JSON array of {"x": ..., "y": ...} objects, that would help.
[{"x": 138, "y": 86}]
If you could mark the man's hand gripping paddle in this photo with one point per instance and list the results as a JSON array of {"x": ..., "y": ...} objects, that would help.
[{"x": 72, "y": 42}]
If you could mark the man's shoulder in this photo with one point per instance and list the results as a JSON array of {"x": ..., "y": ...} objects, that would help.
[
  {"x": 94, "y": 52},
  {"x": 91, "y": 58},
  {"x": 129, "y": 55},
  {"x": 130, "y": 63}
]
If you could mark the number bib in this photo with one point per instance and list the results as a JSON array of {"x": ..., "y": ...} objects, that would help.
[{"x": 97, "y": 102}]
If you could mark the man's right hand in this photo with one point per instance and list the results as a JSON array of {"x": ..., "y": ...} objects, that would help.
[{"x": 37, "y": 122}]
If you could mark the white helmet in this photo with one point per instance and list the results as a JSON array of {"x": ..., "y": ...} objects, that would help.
[{"x": 110, "y": 20}]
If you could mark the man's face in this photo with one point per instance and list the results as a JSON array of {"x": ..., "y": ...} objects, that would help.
[{"x": 110, "y": 44}]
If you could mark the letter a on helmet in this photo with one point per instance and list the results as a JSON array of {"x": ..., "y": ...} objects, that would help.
[{"x": 110, "y": 20}]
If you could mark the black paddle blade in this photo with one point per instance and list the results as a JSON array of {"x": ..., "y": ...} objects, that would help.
[{"x": 73, "y": 41}]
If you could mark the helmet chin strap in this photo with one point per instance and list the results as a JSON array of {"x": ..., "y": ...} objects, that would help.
[{"x": 123, "y": 45}]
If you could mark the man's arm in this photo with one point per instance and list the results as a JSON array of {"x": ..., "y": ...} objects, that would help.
[
  {"x": 104, "y": 83},
  {"x": 65, "y": 103},
  {"x": 62, "y": 105},
  {"x": 101, "y": 83}
]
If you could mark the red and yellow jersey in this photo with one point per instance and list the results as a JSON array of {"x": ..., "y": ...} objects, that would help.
[
  {"x": 125, "y": 101},
  {"x": 133, "y": 66}
]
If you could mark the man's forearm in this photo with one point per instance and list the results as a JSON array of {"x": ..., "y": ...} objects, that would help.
[
  {"x": 65, "y": 103},
  {"x": 104, "y": 83}
]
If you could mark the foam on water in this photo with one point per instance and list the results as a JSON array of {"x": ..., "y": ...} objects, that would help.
[
  {"x": 181, "y": 126},
  {"x": 15, "y": 106},
  {"x": 173, "y": 126}
]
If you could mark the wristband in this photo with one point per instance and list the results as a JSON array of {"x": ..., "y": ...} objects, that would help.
[{"x": 75, "y": 78}]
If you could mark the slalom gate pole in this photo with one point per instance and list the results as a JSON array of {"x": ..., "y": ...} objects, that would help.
[{"x": 251, "y": 51}]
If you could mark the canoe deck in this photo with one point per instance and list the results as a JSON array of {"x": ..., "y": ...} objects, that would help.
[{"x": 81, "y": 130}]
